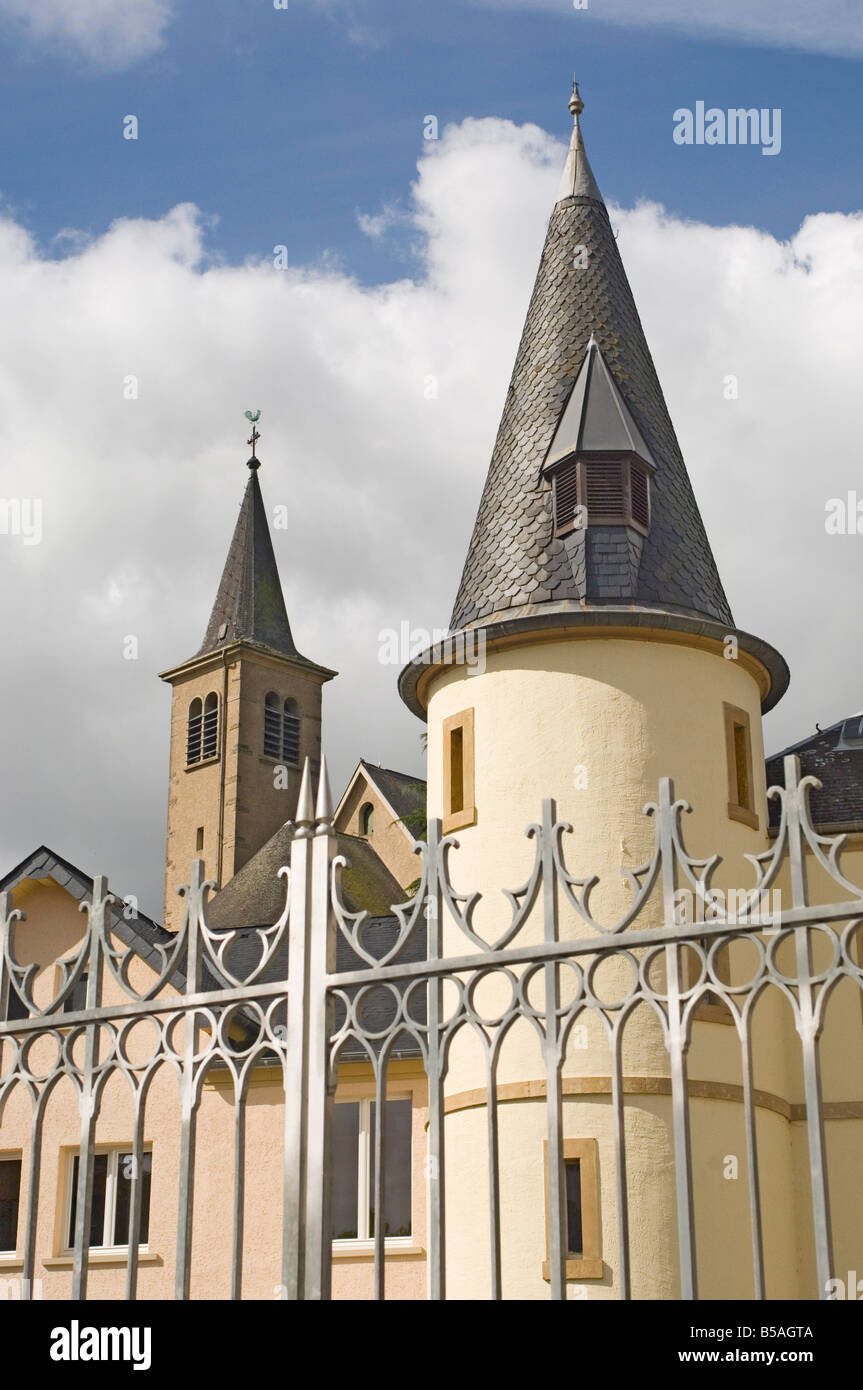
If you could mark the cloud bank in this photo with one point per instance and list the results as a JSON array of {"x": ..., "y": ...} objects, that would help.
[{"x": 125, "y": 368}]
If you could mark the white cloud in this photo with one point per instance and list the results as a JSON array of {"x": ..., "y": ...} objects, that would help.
[
  {"x": 140, "y": 496},
  {"x": 108, "y": 33},
  {"x": 836, "y": 28}
]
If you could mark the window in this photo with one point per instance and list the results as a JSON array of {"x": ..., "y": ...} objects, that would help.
[
  {"x": 15, "y": 1006},
  {"x": 458, "y": 772},
  {"x": 202, "y": 735},
  {"x": 199, "y": 839},
  {"x": 112, "y": 1198},
  {"x": 290, "y": 733},
  {"x": 281, "y": 729},
  {"x": 10, "y": 1191},
  {"x": 354, "y": 1170},
  {"x": 367, "y": 819},
  {"x": 583, "y": 1228},
  {"x": 272, "y": 726},
  {"x": 193, "y": 733},
  {"x": 738, "y": 747},
  {"x": 77, "y": 1000},
  {"x": 613, "y": 491}
]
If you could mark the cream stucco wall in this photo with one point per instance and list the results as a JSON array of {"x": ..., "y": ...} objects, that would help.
[
  {"x": 594, "y": 722},
  {"x": 54, "y": 930}
]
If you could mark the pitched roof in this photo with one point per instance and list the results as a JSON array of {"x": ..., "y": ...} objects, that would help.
[
  {"x": 514, "y": 558},
  {"x": 404, "y": 791},
  {"x": 140, "y": 932},
  {"x": 249, "y": 603},
  {"x": 837, "y": 761},
  {"x": 596, "y": 418},
  {"x": 255, "y": 896}
]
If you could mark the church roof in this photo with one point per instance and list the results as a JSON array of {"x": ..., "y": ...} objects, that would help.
[
  {"x": 596, "y": 418},
  {"x": 250, "y": 606},
  {"x": 514, "y": 559},
  {"x": 255, "y": 896}
]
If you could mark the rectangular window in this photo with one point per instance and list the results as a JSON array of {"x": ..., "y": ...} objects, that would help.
[
  {"x": 199, "y": 839},
  {"x": 583, "y": 1227},
  {"x": 15, "y": 1006},
  {"x": 738, "y": 747},
  {"x": 110, "y": 1208},
  {"x": 10, "y": 1191},
  {"x": 77, "y": 1000},
  {"x": 353, "y": 1211},
  {"x": 459, "y": 809}
]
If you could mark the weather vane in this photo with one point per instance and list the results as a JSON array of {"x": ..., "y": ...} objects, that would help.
[{"x": 253, "y": 416}]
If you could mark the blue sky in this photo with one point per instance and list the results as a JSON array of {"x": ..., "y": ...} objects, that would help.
[
  {"x": 407, "y": 259},
  {"x": 285, "y": 124}
]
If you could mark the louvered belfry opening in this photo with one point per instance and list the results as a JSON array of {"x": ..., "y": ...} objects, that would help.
[{"x": 601, "y": 491}]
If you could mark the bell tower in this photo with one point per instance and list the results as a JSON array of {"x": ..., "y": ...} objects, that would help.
[{"x": 246, "y": 713}]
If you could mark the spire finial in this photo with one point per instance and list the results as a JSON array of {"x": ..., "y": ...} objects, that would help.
[
  {"x": 576, "y": 105},
  {"x": 253, "y": 416}
]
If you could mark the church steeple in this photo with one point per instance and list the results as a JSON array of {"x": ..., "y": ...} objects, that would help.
[
  {"x": 246, "y": 714},
  {"x": 519, "y": 555},
  {"x": 250, "y": 605}
]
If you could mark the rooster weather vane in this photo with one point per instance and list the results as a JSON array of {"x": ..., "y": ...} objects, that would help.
[{"x": 253, "y": 416}]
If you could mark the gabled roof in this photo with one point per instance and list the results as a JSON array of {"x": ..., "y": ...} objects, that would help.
[
  {"x": 514, "y": 558},
  {"x": 596, "y": 418},
  {"x": 403, "y": 792},
  {"x": 250, "y": 606},
  {"x": 141, "y": 933},
  {"x": 255, "y": 896},
  {"x": 827, "y": 755}
]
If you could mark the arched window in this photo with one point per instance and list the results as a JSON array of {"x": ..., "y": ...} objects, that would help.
[
  {"x": 193, "y": 735},
  {"x": 291, "y": 733},
  {"x": 367, "y": 819},
  {"x": 281, "y": 728},
  {"x": 202, "y": 735},
  {"x": 272, "y": 726},
  {"x": 211, "y": 726}
]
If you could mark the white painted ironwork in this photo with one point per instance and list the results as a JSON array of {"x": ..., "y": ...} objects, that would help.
[{"x": 298, "y": 1009}]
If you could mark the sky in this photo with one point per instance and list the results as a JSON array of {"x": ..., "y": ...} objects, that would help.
[{"x": 153, "y": 261}]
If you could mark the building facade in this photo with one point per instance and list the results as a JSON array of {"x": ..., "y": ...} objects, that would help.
[{"x": 611, "y": 660}]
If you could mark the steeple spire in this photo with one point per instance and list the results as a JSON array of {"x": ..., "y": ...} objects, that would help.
[
  {"x": 250, "y": 606},
  {"x": 577, "y": 180},
  {"x": 520, "y": 556}
]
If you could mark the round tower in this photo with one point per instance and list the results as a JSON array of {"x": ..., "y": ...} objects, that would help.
[{"x": 593, "y": 652}]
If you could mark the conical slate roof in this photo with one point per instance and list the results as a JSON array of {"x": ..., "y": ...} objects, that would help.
[
  {"x": 581, "y": 292},
  {"x": 249, "y": 604}
]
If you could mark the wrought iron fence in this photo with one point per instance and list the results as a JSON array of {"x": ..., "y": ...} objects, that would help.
[{"x": 280, "y": 994}]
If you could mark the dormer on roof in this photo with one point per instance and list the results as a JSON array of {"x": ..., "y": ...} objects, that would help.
[{"x": 598, "y": 462}]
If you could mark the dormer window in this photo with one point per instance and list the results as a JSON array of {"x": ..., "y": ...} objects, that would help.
[{"x": 601, "y": 492}]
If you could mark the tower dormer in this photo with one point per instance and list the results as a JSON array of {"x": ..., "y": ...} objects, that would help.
[{"x": 246, "y": 713}]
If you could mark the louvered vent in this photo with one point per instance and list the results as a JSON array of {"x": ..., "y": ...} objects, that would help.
[
  {"x": 210, "y": 739},
  {"x": 565, "y": 497},
  {"x": 193, "y": 735},
  {"x": 638, "y": 487},
  {"x": 605, "y": 490}
]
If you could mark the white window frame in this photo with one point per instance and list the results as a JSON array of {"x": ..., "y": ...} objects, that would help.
[
  {"x": 114, "y": 1151},
  {"x": 363, "y": 1240}
]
